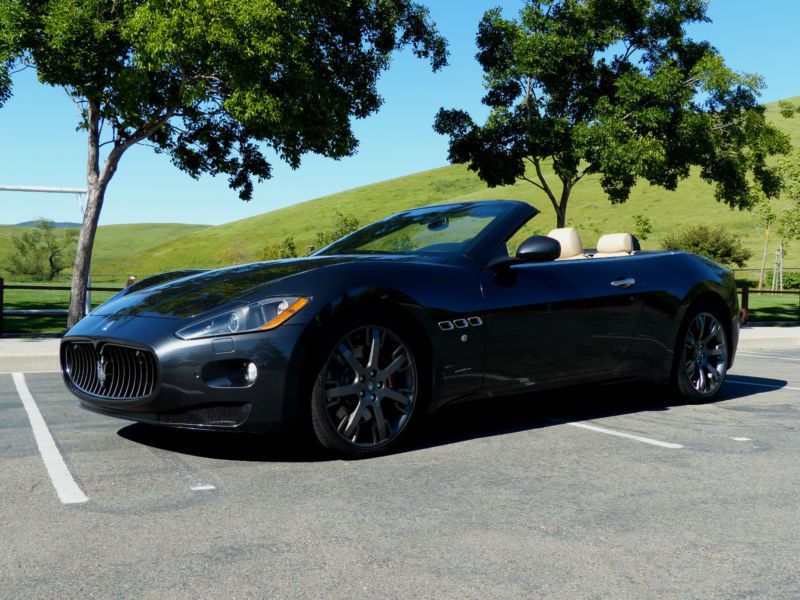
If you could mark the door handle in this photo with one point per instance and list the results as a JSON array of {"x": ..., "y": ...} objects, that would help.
[{"x": 624, "y": 283}]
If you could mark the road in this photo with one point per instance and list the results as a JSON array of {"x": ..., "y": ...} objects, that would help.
[{"x": 589, "y": 493}]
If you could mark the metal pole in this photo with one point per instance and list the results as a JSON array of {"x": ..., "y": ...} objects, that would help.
[{"x": 41, "y": 189}]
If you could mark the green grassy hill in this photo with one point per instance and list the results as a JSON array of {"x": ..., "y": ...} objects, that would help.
[
  {"x": 144, "y": 249},
  {"x": 693, "y": 203}
]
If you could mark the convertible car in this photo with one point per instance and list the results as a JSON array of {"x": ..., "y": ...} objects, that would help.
[{"x": 426, "y": 307}]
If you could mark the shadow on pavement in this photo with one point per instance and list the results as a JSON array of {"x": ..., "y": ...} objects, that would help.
[
  {"x": 272, "y": 447},
  {"x": 452, "y": 424}
]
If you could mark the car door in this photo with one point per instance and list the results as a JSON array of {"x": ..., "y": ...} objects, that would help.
[{"x": 564, "y": 320}]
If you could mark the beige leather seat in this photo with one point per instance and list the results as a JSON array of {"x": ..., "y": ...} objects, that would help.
[
  {"x": 571, "y": 246},
  {"x": 614, "y": 244}
]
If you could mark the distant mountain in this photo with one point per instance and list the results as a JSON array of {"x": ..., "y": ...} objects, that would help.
[{"x": 64, "y": 225}]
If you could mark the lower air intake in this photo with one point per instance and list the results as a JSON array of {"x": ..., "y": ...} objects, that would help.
[{"x": 223, "y": 415}]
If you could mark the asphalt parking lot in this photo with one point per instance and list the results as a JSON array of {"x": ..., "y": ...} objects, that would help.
[{"x": 588, "y": 493}]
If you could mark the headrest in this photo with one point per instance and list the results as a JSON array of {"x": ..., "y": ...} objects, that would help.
[
  {"x": 614, "y": 243},
  {"x": 570, "y": 241}
]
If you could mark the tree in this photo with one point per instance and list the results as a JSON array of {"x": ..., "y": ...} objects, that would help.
[
  {"x": 616, "y": 89},
  {"x": 214, "y": 84},
  {"x": 286, "y": 249},
  {"x": 714, "y": 242},
  {"x": 232, "y": 254},
  {"x": 788, "y": 109},
  {"x": 41, "y": 253},
  {"x": 765, "y": 218},
  {"x": 342, "y": 225},
  {"x": 643, "y": 227},
  {"x": 787, "y": 220}
]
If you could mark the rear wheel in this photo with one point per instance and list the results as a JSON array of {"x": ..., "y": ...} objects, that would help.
[
  {"x": 368, "y": 389},
  {"x": 701, "y": 356}
]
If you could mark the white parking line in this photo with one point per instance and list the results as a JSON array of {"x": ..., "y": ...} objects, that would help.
[
  {"x": 764, "y": 385},
  {"x": 66, "y": 488},
  {"x": 622, "y": 434}
]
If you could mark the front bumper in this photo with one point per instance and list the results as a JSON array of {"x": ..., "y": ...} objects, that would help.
[{"x": 189, "y": 391}]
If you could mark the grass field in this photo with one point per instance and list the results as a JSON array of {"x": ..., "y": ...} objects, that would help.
[
  {"x": 766, "y": 308},
  {"x": 41, "y": 300}
]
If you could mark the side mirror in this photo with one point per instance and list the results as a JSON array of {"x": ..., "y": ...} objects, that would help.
[{"x": 539, "y": 248}]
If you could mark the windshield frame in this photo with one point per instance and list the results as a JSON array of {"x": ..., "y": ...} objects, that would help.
[{"x": 508, "y": 214}]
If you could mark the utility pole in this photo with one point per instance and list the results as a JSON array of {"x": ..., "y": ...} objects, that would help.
[{"x": 777, "y": 270}]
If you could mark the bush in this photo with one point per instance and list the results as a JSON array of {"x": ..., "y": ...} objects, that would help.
[
  {"x": 713, "y": 242},
  {"x": 286, "y": 249},
  {"x": 642, "y": 227},
  {"x": 744, "y": 281},
  {"x": 342, "y": 225},
  {"x": 791, "y": 280}
]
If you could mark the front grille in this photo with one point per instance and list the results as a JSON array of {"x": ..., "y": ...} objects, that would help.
[
  {"x": 220, "y": 415},
  {"x": 115, "y": 372}
]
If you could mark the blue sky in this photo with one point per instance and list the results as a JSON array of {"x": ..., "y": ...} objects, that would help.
[{"x": 39, "y": 144}]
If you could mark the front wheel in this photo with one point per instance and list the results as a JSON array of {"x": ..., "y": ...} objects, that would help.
[
  {"x": 368, "y": 389},
  {"x": 701, "y": 356}
]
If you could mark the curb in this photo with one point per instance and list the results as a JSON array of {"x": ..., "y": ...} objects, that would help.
[
  {"x": 786, "y": 341},
  {"x": 29, "y": 354},
  {"x": 29, "y": 364}
]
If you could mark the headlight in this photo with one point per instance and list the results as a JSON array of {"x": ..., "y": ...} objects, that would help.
[{"x": 256, "y": 316}]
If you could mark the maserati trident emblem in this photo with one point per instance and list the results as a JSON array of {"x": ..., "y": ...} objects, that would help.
[{"x": 101, "y": 370}]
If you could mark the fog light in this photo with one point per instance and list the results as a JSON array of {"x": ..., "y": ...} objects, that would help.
[{"x": 251, "y": 373}]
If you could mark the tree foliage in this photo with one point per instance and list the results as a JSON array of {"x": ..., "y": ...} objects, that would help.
[
  {"x": 286, "y": 249},
  {"x": 643, "y": 227},
  {"x": 216, "y": 85},
  {"x": 789, "y": 219},
  {"x": 41, "y": 253},
  {"x": 714, "y": 242},
  {"x": 342, "y": 225},
  {"x": 616, "y": 89}
]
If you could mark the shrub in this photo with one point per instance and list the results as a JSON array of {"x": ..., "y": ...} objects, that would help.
[
  {"x": 642, "y": 227},
  {"x": 713, "y": 242},
  {"x": 342, "y": 225},
  {"x": 744, "y": 281},
  {"x": 791, "y": 280},
  {"x": 286, "y": 249}
]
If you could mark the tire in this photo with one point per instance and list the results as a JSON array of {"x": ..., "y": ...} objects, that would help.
[
  {"x": 701, "y": 355},
  {"x": 369, "y": 387}
]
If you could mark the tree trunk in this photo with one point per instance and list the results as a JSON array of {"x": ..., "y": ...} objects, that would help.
[
  {"x": 83, "y": 256},
  {"x": 561, "y": 217},
  {"x": 96, "y": 183}
]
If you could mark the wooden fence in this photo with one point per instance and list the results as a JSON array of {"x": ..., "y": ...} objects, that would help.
[{"x": 33, "y": 313}]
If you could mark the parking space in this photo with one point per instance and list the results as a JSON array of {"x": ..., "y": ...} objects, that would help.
[{"x": 596, "y": 492}]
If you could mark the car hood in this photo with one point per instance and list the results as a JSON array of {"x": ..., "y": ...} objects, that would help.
[{"x": 199, "y": 293}]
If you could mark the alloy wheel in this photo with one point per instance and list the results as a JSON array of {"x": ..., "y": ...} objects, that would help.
[
  {"x": 705, "y": 353},
  {"x": 370, "y": 386}
]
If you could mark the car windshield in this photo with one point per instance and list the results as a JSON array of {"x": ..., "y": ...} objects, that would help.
[{"x": 436, "y": 229}]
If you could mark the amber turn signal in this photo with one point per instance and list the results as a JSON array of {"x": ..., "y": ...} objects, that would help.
[{"x": 285, "y": 314}]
